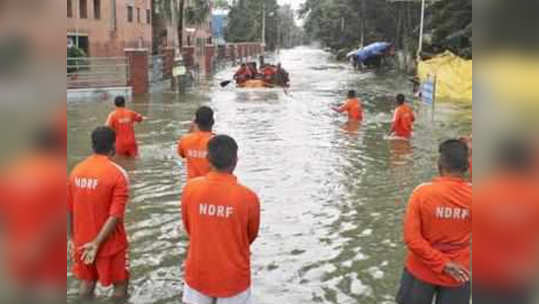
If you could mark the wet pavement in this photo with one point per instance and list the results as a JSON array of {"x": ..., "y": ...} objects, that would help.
[{"x": 332, "y": 193}]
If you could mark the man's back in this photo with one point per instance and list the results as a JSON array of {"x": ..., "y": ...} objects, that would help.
[
  {"x": 221, "y": 218},
  {"x": 194, "y": 148},
  {"x": 438, "y": 226},
  {"x": 122, "y": 121},
  {"x": 403, "y": 120},
  {"x": 98, "y": 189},
  {"x": 354, "y": 109},
  {"x": 32, "y": 198}
]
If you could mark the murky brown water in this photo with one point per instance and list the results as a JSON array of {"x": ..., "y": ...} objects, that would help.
[{"x": 332, "y": 194}]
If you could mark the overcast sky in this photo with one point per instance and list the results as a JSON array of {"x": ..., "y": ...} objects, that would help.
[{"x": 295, "y": 3}]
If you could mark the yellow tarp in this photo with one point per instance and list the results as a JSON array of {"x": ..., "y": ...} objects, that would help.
[{"x": 453, "y": 76}]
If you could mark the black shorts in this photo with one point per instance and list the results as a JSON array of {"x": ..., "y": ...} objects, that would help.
[{"x": 415, "y": 291}]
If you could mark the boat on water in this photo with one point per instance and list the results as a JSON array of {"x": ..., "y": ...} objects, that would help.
[{"x": 267, "y": 76}]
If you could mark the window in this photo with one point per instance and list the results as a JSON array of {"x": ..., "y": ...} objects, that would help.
[
  {"x": 148, "y": 16},
  {"x": 129, "y": 14},
  {"x": 97, "y": 9},
  {"x": 138, "y": 15},
  {"x": 83, "y": 9},
  {"x": 69, "y": 9}
]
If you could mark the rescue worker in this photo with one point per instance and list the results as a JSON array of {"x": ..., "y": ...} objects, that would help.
[
  {"x": 98, "y": 191},
  {"x": 282, "y": 76},
  {"x": 268, "y": 73},
  {"x": 221, "y": 218},
  {"x": 243, "y": 74},
  {"x": 353, "y": 106},
  {"x": 123, "y": 121},
  {"x": 32, "y": 220},
  {"x": 403, "y": 119},
  {"x": 253, "y": 69},
  {"x": 193, "y": 147},
  {"x": 506, "y": 225},
  {"x": 437, "y": 232}
]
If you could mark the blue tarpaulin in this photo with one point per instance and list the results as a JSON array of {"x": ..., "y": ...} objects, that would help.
[{"x": 372, "y": 50}]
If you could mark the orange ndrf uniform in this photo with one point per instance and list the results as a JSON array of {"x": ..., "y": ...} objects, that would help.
[
  {"x": 403, "y": 120},
  {"x": 32, "y": 220},
  {"x": 354, "y": 109},
  {"x": 268, "y": 73},
  {"x": 506, "y": 212},
  {"x": 438, "y": 229},
  {"x": 99, "y": 189},
  {"x": 194, "y": 148},
  {"x": 243, "y": 74},
  {"x": 122, "y": 121},
  {"x": 222, "y": 219}
]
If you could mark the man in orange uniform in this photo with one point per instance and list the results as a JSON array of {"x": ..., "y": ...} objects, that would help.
[
  {"x": 352, "y": 106},
  {"x": 122, "y": 121},
  {"x": 32, "y": 220},
  {"x": 268, "y": 73},
  {"x": 221, "y": 218},
  {"x": 403, "y": 119},
  {"x": 437, "y": 232},
  {"x": 193, "y": 147},
  {"x": 98, "y": 191},
  {"x": 243, "y": 74},
  {"x": 506, "y": 226}
]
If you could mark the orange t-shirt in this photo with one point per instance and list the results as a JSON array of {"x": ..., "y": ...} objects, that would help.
[
  {"x": 222, "y": 219},
  {"x": 32, "y": 216},
  {"x": 506, "y": 226},
  {"x": 403, "y": 121},
  {"x": 98, "y": 189},
  {"x": 194, "y": 148},
  {"x": 438, "y": 229},
  {"x": 122, "y": 121},
  {"x": 354, "y": 108}
]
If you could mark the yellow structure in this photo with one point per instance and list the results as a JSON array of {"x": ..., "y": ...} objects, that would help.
[{"x": 453, "y": 76}]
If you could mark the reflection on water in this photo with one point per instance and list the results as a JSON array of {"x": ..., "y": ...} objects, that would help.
[{"x": 332, "y": 193}]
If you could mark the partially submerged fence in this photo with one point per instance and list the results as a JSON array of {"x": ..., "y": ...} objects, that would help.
[{"x": 97, "y": 72}]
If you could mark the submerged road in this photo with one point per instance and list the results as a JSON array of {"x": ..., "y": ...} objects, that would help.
[{"x": 332, "y": 194}]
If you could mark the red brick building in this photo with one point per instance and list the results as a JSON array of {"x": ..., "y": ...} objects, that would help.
[{"x": 107, "y": 27}]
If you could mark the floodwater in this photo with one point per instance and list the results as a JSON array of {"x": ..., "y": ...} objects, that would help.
[{"x": 332, "y": 194}]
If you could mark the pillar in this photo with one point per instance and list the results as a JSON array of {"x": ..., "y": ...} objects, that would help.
[{"x": 138, "y": 70}]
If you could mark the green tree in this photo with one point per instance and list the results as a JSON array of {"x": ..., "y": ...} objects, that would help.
[
  {"x": 176, "y": 11},
  {"x": 348, "y": 24},
  {"x": 245, "y": 23}
]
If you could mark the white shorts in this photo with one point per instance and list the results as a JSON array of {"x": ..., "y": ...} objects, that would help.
[{"x": 191, "y": 296}]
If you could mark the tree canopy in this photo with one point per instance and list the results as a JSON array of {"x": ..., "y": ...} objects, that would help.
[
  {"x": 246, "y": 18},
  {"x": 347, "y": 24}
]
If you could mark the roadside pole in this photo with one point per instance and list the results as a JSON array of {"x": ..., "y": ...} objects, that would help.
[{"x": 420, "y": 46}]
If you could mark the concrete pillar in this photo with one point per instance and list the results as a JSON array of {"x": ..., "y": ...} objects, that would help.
[
  {"x": 138, "y": 70},
  {"x": 188, "y": 53},
  {"x": 210, "y": 52},
  {"x": 168, "y": 62}
]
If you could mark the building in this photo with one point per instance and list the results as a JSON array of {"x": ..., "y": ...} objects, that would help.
[{"x": 104, "y": 28}]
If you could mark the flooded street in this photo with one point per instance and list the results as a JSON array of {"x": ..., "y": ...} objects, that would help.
[{"x": 332, "y": 194}]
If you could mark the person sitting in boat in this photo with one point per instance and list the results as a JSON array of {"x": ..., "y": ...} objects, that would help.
[
  {"x": 268, "y": 73},
  {"x": 243, "y": 74},
  {"x": 252, "y": 67},
  {"x": 282, "y": 76}
]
